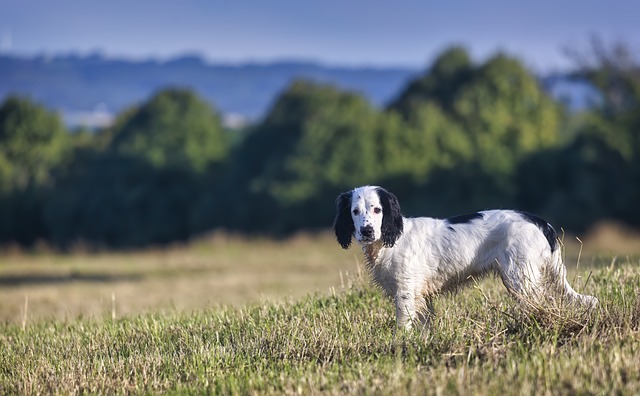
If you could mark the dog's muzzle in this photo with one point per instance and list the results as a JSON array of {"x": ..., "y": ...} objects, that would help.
[{"x": 367, "y": 233}]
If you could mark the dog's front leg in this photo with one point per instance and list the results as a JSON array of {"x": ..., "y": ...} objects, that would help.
[
  {"x": 405, "y": 309},
  {"x": 425, "y": 312}
]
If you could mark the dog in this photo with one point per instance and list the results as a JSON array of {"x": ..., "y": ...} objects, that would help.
[{"x": 415, "y": 259}]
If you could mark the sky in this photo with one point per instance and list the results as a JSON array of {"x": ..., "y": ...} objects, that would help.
[{"x": 335, "y": 32}]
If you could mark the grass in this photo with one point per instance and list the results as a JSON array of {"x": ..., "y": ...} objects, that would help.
[
  {"x": 336, "y": 342},
  {"x": 215, "y": 272}
]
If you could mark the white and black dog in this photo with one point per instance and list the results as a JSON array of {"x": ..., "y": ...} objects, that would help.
[{"x": 414, "y": 259}]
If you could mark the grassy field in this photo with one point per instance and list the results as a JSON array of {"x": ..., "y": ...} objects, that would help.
[
  {"x": 213, "y": 272},
  {"x": 228, "y": 315}
]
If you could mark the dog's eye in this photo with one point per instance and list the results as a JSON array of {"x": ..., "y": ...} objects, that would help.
[
  {"x": 377, "y": 210},
  {"x": 356, "y": 212}
]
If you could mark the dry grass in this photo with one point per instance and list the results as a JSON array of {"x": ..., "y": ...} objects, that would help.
[
  {"x": 599, "y": 246},
  {"x": 212, "y": 272},
  {"x": 613, "y": 239}
]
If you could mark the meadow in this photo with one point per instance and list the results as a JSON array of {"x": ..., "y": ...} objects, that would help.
[{"x": 298, "y": 316}]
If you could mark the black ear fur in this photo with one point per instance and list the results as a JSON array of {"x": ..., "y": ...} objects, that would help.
[
  {"x": 343, "y": 224},
  {"x": 392, "y": 223}
]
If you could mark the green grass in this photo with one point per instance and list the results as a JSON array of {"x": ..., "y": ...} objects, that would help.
[{"x": 481, "y": 342}]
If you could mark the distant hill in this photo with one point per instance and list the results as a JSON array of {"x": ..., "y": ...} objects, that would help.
[
  {"x": 90, "y": 89},
  {"x": 96, "y": 85}
]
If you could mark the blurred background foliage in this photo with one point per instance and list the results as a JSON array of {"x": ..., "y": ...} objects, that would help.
[{"x": 460, "y": 137}]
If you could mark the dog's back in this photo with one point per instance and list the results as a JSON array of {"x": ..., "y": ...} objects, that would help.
[{"x": 445, "y": 253}]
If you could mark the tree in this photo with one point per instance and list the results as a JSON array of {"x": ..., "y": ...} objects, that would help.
[
  {"x": 315, "y": 136},
  {"x": 595, "y": 176},
  {"x": 440, "y": 83},
  {"x": 506, "y": 114},
  {"x": 473, "y": 125},
  {"x": 33, "y": 143},
  {"x": 577, "y": 185},
  {"x": 410, "y": 151},
  {"x": 137, "y": 182},
  {"x": 615, "y": 73},
  {"x": 499, "y": 105},
  {"x": 34, "y": 146},
  {"x": 175, "y": 128},
  {"x": 314, "y": 142},
  {"x": 111, "y": 200}
]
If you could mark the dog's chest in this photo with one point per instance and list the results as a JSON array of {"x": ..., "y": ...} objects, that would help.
[
  {"x": 382, "y": 269},
  {"x": 385, "y": 277}
]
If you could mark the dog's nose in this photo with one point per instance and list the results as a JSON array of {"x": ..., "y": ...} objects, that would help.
[{"x": 366, "y": 231}]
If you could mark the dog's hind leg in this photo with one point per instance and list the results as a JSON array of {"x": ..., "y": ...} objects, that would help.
[
  {"x": 522, "y": 279},
  {"x": 536, "y": 282},
  {"x": 557, "y": 279}
]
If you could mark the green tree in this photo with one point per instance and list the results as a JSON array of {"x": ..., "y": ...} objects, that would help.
[
  {"x": 137, "y": 182},
  {"x": 430, "y": 140},
  {"x": 34, "y": 146},
  {"x": 111, "y": 200},
  {"x": 614, "y": 72},
  {"x": 314, "y": 142},
  {"x": 596, "y": 176},
  {"x": 473, "y": 125},
  {"x": 174, "y": 128},
  {"x": 506, "y": 114},
  {"x": 440, "y": 83},
  {"x": 33, "y": 143},
  {"x": 578, "y": 185},
  {"x": 499, "y": 107},
  {"x": 314, "y": 137}
]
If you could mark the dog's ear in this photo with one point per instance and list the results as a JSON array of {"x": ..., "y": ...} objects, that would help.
[
  {"x": 392, "y": 223},
  {"x": 343, "y": 224}
]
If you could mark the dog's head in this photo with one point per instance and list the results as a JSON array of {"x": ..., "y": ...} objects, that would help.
[{"x": 370, "y": 214}]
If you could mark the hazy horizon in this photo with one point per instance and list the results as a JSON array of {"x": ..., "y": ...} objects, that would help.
[{"x": 406, "y": 34}]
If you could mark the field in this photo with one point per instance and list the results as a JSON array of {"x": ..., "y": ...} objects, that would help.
[{"x": 231, "y": 315}]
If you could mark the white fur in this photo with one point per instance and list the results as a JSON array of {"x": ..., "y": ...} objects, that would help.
[{"x": 432, "y": 256}]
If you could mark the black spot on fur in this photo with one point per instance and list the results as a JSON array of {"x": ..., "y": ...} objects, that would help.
[
  {"x": 463, "y": 219},
  {"x": 343, "y": 224},
  {"x": 392, "y": 222},
  {"x": 547, "y": 230}
]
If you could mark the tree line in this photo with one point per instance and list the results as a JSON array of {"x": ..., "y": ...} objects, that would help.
[{"x": 463, "y": 136}]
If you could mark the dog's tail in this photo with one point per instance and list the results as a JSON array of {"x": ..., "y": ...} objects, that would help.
[{"x": 559, "y": 277}]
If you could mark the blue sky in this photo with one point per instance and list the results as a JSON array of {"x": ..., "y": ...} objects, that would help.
[{"x": 376, "y": 33}]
